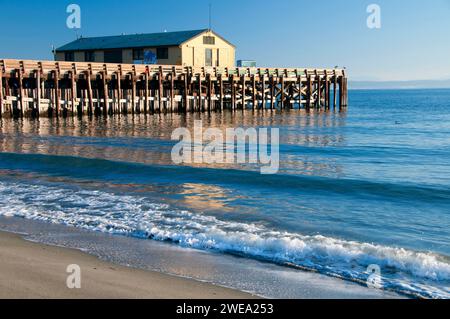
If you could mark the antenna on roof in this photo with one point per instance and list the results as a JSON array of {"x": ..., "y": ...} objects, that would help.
[{"x": 210, "y": 15}]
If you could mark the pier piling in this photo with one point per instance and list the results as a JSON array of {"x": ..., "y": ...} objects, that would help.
[{"x": 47, "y": 88}]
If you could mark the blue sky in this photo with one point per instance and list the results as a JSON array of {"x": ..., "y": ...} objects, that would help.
[{"x": 413, "y": 42}]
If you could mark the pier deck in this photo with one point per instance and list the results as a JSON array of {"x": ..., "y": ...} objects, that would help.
[{"x": 48, "y": 88}]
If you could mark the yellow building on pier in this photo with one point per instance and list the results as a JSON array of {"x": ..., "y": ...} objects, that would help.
[{"x": 197, "y": 48}]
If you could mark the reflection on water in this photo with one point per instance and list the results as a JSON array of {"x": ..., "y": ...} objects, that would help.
[
  {"x": 147, "y": 139},
  {"x": 160, "y": 126},
  {"x": 202, "y": 197}
]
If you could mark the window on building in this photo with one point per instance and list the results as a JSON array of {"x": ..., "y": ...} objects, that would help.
[
  {"x": 113, "y": 56},
  {"x": 138, "y": 54},
  {"x": 208, "y": 57},
  {"x": 89, "y": 56},
  {"x": 69, "y": 56},
  {"x": 218, "y": 58},
  {"x": 162, "y": 53},
  {"x": 209, "y": 40}
]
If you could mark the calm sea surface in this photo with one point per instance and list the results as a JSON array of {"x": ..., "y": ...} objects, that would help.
[{"x": 370, "y": 186}]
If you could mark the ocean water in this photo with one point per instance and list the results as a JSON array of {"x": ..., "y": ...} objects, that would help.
[{"x": 370, "y": 186}]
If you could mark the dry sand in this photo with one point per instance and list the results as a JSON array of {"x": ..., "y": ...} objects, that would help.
[{"x": 32, "y": 270}]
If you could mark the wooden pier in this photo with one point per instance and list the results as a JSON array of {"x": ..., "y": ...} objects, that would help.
[{"x": 48, "y": 88}]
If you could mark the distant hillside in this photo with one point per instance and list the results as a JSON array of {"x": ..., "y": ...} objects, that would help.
[{"x": 382, "y": 85}]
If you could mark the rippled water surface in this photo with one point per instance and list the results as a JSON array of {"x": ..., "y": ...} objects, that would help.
[{"x": 368, "y": 186}]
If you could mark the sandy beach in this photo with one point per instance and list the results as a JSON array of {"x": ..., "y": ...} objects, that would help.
[{"x": 32, "y": 270}]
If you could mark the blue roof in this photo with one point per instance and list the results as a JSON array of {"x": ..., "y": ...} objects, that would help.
[{"x": 131, "y": 41}]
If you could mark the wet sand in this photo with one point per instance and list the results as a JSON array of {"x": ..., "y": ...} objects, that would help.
[{"x": 32, "y": 270}]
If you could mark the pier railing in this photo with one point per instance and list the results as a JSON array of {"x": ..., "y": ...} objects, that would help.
[{"x": 49, "y": 88}]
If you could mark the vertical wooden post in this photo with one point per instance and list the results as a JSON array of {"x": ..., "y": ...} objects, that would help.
[
  {"x": 214, "y": 95},
  {"x": 38, "y": 93},
  {"x": 139, "y": 96},
  {"x": 319, "y": 91},
  {"x": 233, "y": 93},
  {"x": 81, "y": 104},
  {"x": 253, "y": 92},
  {"x": 64, "y": 101},
  {"x": 310, "y": 93},
  {"x": 1, "y": 91},
  {"x": 263, "y": 91},
  {"x": 89, "y": 92},
  {"x": 8, "y": 93},
  {"x": 191, "y": 93},
  {"x": 105, "y": 94},
  {"x": 172, "y": 89},
  {"x": 243, "y": 92},
  {"x": 96, "y": 96},
  {"x": 43, "y": 86},
  {"x": 160, "y": 89},
  {"x": 134, "y": 108},
  {"x": 300, "y": 91},
  {"x": 210, "y": 93},
  {"x": 194, "y": 92},
  {"x": 21, "y": 93},
  {"x": 334, "y": 90},
  {"x": 272, "y": 92},
  {"x": 291, "y": 93},
  {"x": 151, "y": 93},
  {"x": 186, "y": 92},
  {"x": 73, "y": 91},
  {"x": 221, "y": 92},
  {"x": 327, "y": 92},
  {"x": 341, "y": 95},
  {"x": 290, "y": 101},
  {"x": 119, "y": 91},
  {"x": 146, "y": 105},
  {"x": 57, "y": 92},
  {"x": 200, "y": 94}
]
